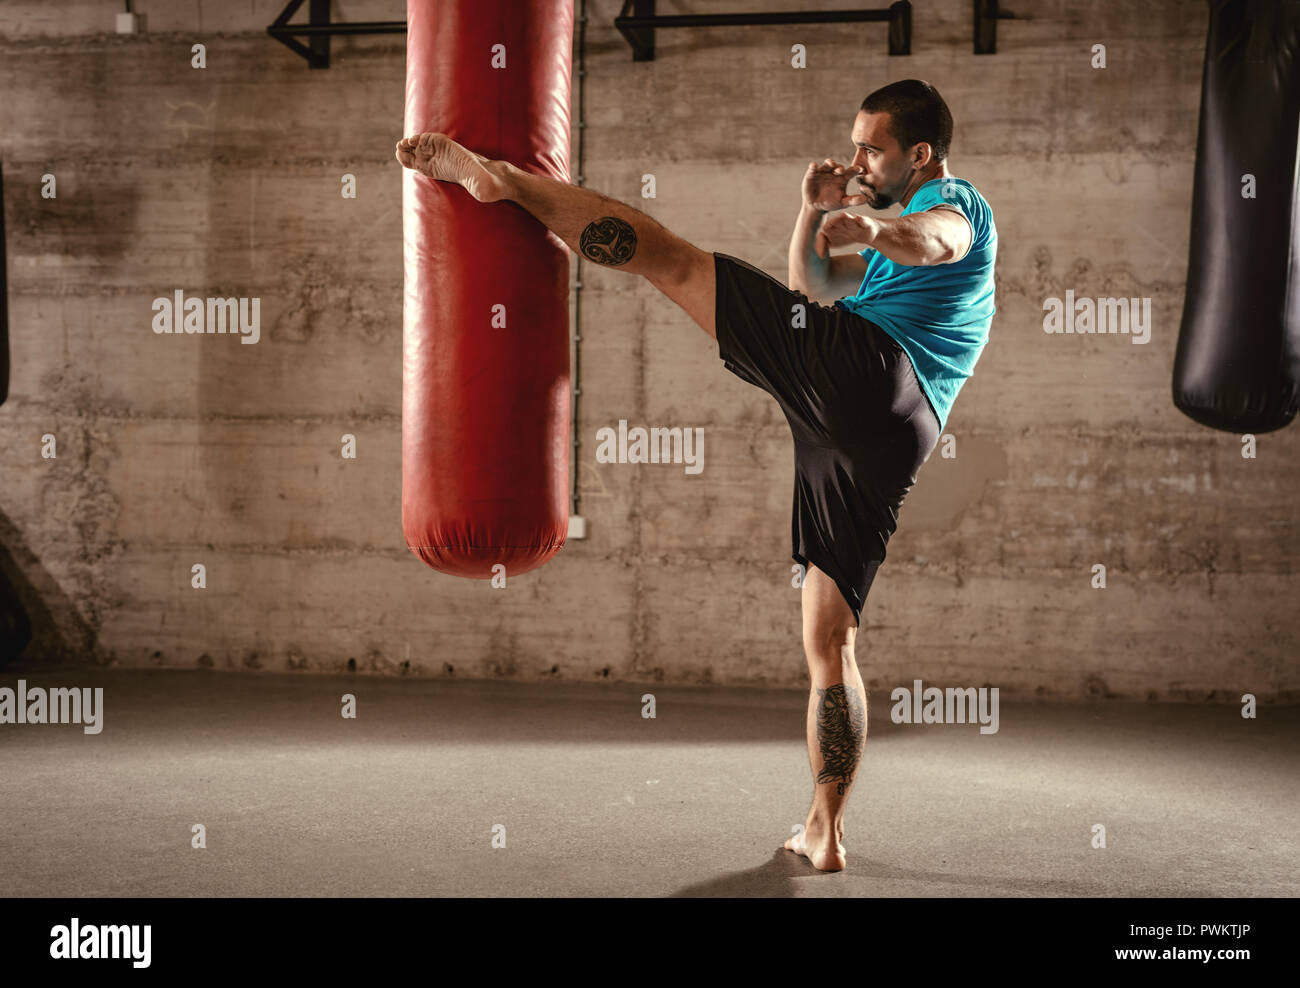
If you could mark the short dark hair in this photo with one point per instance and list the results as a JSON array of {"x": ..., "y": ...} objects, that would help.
[{"x": 916, "y": 113}]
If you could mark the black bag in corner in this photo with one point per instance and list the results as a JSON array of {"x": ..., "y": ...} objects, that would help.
[
  {"x": 4, "y": 301},
  {"x": 15, "y": 625},
  {"x": 1237, "y": 365}
]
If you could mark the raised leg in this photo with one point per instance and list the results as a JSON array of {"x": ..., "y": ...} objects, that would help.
[
  {"x": 837, "y": 718},
  {"x": 609, "y": 233},
  {"x": 601, "y": 229}
]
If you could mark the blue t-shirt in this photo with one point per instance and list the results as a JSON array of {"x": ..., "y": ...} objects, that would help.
[{"x": 939, "y": 313}]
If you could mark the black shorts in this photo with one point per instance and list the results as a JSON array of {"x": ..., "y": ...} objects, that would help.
[{"x": 862, "y": 426}]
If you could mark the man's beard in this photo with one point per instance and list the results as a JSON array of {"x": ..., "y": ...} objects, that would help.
[{"x": 879, "y": 200}]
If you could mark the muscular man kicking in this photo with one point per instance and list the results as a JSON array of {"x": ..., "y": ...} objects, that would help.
[{"x": 866, "y": 383}]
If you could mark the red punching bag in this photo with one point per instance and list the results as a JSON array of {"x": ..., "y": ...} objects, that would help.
[{"x": 485, "y": 368}]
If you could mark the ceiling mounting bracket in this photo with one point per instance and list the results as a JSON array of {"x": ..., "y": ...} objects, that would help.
[
  {"x": 987, "y": 16},
  {"x": 638, "y": 23},
  {"x": 318, "y": 30}
]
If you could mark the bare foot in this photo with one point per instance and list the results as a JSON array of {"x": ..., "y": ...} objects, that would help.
[
  {"x": 438, "y": 156},
  {"x": 822, "y": 848}
]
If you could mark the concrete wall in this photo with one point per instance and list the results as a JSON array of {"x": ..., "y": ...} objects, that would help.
[{"x": 225, "y": 181}]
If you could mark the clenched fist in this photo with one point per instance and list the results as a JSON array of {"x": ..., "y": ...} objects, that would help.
[
  {"x": 825, "y": 186},
  {"x": 840, "y": 231}
]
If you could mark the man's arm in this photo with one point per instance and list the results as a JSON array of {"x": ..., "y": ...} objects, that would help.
[
  {"x": 937, "y": 236},
  {"x": 822, "y": 279},
  {"x": 808, "y": 272}
]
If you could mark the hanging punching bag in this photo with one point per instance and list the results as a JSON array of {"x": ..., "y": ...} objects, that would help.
[
  {"x": 15, "y": 625},
  {"x": 1237, "y": 365},
  {"x": 4, "y": 301},
  {"x": 485, "y": 370}
]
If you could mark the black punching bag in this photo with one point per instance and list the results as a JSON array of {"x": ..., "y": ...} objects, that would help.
[
  {"x": 1237, "y": 366},
  {"x": 4, "y": 301},
  {"x": 15, "y": 626}
]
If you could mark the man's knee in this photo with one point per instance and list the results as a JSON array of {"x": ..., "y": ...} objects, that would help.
[
  {"x": 681, "y": 264},
  {"x": 828, "y": 623},
  {"x": 689, "y": 281},
  {"x": 829, "y": 640}
]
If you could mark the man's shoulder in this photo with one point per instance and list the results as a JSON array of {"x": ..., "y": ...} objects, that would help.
[
  {"x": 958, "y": 190},
  {"x": 949, "y": 191},
  {"x": 959, "y": 196}
]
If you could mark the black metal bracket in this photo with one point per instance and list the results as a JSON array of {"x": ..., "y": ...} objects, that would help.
[
  {"x": 318, "y": 31},
  {"x": 987, "y": 16},
  {"x": 640, "y": 25}
]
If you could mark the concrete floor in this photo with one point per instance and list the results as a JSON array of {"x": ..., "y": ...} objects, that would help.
[{"x": 597, "y": 801}]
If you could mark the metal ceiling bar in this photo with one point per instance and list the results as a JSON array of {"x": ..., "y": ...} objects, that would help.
[
  {"x": 318, "y": 30},
  {"x": 638, "y": 22},
  {"x": 987, "y": 15}
]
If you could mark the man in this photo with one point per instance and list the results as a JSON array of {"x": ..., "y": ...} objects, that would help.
[{"x": 866, "y": 384}]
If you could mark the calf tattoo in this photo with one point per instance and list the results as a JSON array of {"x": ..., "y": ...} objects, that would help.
[
  {"x": 841, "y": 732},
  {"x": 608, "y": 240}
]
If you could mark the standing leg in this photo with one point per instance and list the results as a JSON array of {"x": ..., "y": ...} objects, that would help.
[
  {"x": 837, "y": 718},
  {"x": 599, "y": 228}
]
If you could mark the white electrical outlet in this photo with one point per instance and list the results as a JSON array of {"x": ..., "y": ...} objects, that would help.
[{"x": 577, "y": 527}]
